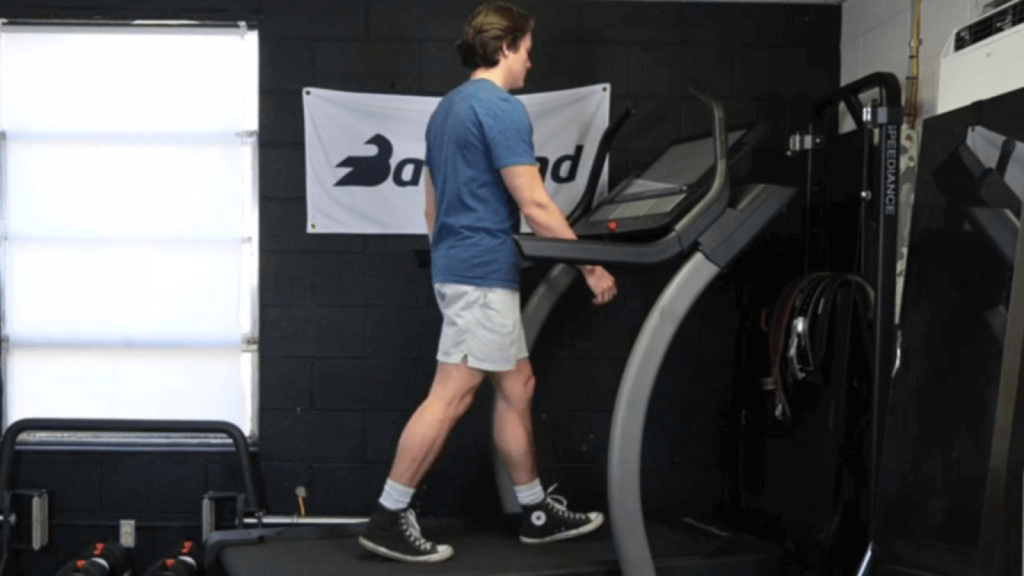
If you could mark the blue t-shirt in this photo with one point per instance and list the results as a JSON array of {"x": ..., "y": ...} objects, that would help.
[{"x": 476, "y": 130}]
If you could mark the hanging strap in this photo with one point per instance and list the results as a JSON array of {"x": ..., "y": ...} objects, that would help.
[
  {"x": 777, "y": 340},
  {"x": 800, "y": 326}
]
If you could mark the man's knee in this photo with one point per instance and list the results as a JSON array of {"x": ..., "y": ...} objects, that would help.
[
  {"x": 517, "y": 390},
  {"x": 466, "y": 399},
  {"x": 454, "y": 387}
]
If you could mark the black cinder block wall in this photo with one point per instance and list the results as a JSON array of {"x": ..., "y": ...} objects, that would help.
[{"x": 348, "y": 323}]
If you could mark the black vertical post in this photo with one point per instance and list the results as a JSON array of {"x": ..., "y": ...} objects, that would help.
[
  {"x": 810, "y": 218},
  {"x": 886, "y": 196},
  {"x": 887, "y": 118}
]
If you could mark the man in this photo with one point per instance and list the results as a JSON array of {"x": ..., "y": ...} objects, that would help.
[{"x": 480, "y": 144}]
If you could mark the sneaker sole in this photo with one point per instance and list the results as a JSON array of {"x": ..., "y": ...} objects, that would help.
[
  {"x": 440, "y": 556},
  {"x": 585, "y": 529}
]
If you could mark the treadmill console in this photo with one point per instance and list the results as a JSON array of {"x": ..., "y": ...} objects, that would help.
[{"x": 671, "y": 185}]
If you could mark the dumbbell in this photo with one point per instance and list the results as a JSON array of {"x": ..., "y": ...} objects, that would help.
[
  {"x": 99, "y": 559},
  {"x": 181, "y": 562}
]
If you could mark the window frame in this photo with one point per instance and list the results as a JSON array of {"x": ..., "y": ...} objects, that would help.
[{"x": 249, "y": 263}]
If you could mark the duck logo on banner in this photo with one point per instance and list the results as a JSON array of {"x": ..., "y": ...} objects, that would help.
[{"x": 375, "y": 170}]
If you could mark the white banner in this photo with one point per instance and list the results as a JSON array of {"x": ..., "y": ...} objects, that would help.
[{"x": 364, "y": 154}]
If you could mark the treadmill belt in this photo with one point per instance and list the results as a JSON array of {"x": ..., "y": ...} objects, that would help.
[{"x": 479, "y": 552}]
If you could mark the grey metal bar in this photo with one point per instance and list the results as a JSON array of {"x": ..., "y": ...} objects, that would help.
[
  {"x": 627, "y": 428},
  {"x": 990, "y": 538},
  {"x": 296, "y": 520}
]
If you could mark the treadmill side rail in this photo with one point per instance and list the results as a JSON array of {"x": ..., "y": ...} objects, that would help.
[
  {"x": 729, "y": 235},
  {"x": 596, "y": 252}
]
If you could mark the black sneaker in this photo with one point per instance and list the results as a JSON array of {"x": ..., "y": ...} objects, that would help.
[
  {"x": 395, "y": 534},
  {"x": 551, "y": 521}
]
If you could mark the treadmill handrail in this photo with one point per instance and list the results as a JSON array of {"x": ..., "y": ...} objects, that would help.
[
  {"x": 711, "y": 206},
  {"x": 586, "y": 201},
  {"x": 597, "y": 252},
  {"x": 683, "y": 235}
]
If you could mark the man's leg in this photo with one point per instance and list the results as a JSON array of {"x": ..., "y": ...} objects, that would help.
[
  {"x": 421, "y": 442},
  {"x": 513, "y": 423},
  {"x": 393, "y": 531},
  {"x": 545, "y": 518}
]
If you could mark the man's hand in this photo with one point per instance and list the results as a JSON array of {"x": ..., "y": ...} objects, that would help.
[{"x": 601, "y": 283}]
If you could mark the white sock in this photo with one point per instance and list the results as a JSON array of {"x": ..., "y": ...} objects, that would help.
[
  {"x": 396, "y": 496},
  {"x": 530, "y": 494}
]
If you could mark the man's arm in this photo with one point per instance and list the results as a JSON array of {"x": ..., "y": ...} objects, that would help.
[
  {"x": 541, "y": 213},
  {"x": 547, "y": 221},
  {"x": 429, "y": 210}
]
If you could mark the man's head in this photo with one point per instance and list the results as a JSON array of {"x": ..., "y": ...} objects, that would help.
[{"x": 498, "y": 34}]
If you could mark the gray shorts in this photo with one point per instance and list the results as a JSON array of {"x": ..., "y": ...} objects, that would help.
[{"x": 481, "y": 325}]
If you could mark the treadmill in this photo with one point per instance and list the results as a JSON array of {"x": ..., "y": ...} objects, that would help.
[{"x": 688, "y": 205}]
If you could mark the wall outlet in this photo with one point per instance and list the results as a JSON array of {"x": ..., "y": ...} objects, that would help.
[{"x": 128, "y": 533}]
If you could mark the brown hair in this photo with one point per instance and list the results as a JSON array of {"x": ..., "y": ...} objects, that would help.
[{"x": 492, "y": 26}]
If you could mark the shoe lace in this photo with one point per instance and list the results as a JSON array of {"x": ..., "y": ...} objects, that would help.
[
  {"x": 411, "y": 529},
  {"x": 561, "y": 505}
]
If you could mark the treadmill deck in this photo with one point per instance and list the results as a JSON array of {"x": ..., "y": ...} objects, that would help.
[{"x": 683, "y": 550}]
